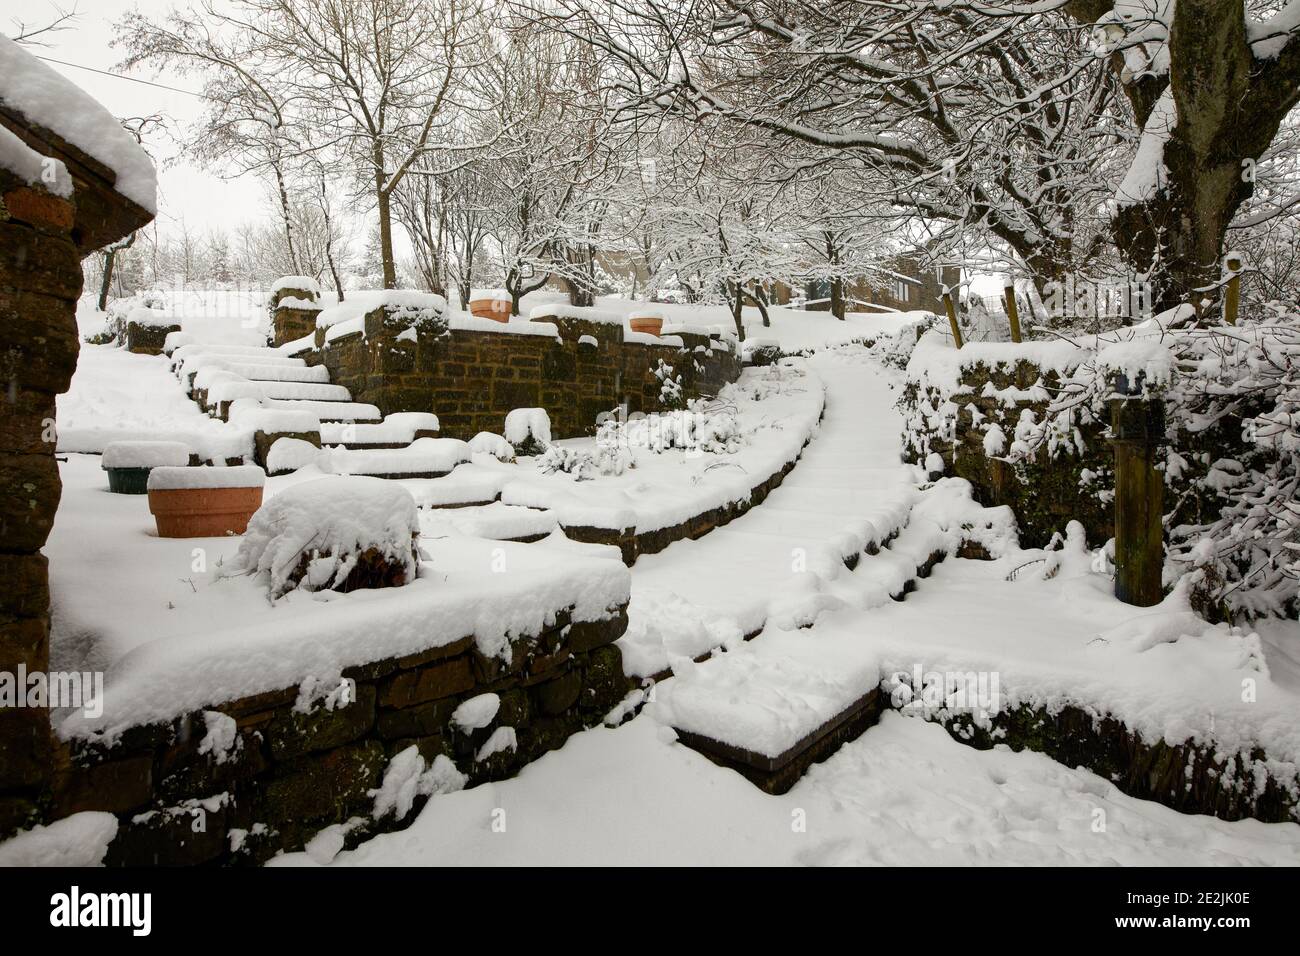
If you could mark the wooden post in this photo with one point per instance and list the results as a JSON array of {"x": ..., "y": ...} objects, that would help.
[
  {"x": 1232, "y": 295},
  {"x": 1009, "y": 296},
  {"x": 952, "y": 316},
  {"x": 1138, "y": 426}
]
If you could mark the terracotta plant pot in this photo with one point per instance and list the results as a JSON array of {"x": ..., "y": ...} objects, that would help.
[
  {"x": 496, "y": 309},
  {"x": 647, "y": 324},
  {"x": 128, "y": 481},
  {"x": 203, "y": 512}
]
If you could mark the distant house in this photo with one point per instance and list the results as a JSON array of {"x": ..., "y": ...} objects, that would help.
[{"x": 901, "y": 285}]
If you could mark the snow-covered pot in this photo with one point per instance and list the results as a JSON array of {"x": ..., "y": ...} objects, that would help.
[
  {"x": 495, "y": 309},
  {"x": 204, "y": 502},
  {"x": 649, "y": 323},
  {"x": 128, "y": 463}
]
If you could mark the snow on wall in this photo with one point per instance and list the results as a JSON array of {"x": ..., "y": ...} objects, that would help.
[
  {"x": 49, "y": 99},
  {"x": 30, "y": 166}
]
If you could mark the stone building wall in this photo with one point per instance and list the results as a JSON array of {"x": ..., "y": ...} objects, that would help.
[
  {"x": 291, "y": 774},
  {"x": 40, "y": 280},
  {"x": 471, "y": 378}
]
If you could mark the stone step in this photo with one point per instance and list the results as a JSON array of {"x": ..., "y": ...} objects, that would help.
[
  {"x": 423, "y": 458},
  {"x": 329, "y": 411},
  {"x": 279, "y": 372},
  {"x": 396, "y": 431}
]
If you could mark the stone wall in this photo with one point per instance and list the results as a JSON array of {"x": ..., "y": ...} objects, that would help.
[
  {"x": 147, "y": 339},
  {"x": 1045, "y": 491},
  {"x": 40, "y": 280},
  {"x": 1188, "y": 777},
  {"x": 472, "y": 378},
  {"x": 292, "y": 773},
  {"x": 289, "y": 324}
]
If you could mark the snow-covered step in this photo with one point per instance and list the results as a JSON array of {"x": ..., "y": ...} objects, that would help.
[
  {"x": 329, "y": 411},
  {"x": 234, "y": 353},
  {"x": 770, "y": 708},
  {"x": 282, "y": 372},
  {"x": 497, "y": 521},
  {"x": 463, "y": 488},
  {"x": 304, "y": 391},
  {"x": 222, "y": 392},
  {"x": 395, "y": 431},
  {"x": 423, "y": 458}
]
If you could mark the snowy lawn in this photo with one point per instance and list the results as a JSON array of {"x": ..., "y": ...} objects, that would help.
[{"x": 119, "y": 396}]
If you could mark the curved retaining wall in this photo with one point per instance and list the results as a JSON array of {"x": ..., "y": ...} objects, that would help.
[{"x": 293, "y": 773}]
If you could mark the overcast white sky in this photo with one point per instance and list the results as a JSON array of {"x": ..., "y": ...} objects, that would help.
[{"x": 203, "y": 200}]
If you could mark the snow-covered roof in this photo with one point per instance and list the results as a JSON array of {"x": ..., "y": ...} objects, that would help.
[{"x": 47, "y": 99}]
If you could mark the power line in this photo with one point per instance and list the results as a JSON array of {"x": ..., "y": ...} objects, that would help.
[{"x": 120, "y": 76}]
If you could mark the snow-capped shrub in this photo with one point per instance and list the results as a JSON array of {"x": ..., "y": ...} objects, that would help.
[
  {"x": 580, "y": 465},
  {"x": 422, "y": 321},
  {"x": 290, "y": 454},
  {"x": 528, "y": 430},
  {"x": 333, "y": 533},
  {"x": 613, "y": 457},
  {"x": 494, "y": 445},
  {"x": 701, "y": 426},
  {"x": 670, "y": 387}
]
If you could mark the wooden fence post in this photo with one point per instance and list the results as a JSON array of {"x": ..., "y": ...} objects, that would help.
[
  {"x": 1232, "y": 295},
  {"x": 1137, "y": 427},
  {"x": 952, "y": 316},
  {"x": 1013, "y": 314}
]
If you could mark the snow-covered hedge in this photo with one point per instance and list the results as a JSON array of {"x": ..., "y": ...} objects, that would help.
[{"x": 335, "y": 533}]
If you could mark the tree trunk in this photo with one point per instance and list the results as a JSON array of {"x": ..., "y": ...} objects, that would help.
[
  {"x": 287, "y": 217},
  {"x": 1228, "y": 109},
  {"x": 385, "y": 221},
  {"x": 110, "y": 257},
  {"x": 838, "y": 305},
  {"x": 759, "y": 298}
]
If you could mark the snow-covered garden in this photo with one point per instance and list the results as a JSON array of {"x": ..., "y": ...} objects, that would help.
[{"x": 610, "y": 434}]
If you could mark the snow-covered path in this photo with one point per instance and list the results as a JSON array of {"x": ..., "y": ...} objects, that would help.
[
  {"x": 848, "y": 492},
  {"x": 902, "y": 793}
]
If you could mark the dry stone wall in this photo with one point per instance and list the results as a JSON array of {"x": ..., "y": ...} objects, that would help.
[
  {"x": 472, "y": 378},
  {"x": 291, "y": 773}
]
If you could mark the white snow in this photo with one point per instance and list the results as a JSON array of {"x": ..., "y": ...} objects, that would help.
[
  {"x": 290, "y": 454},
  {"x": 1147, "y": 174},
  {"x": 238, "y": 476},
  {"x": 407, "y": 777},
  {"x": 145, "y": 454},
  {"x": 422, "y": 456},
  {"x": 297, "y": 283},
  {"x": 525, "y": 423},
  {"x": 487, "y": 443},
  {"x": 30, "y": 166},
  {"x": 476, "y": 712},
  {"x": 502, "y": 739},
  {"x": 903, "y": 794},
  {"x": 78, "y": 840}
]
